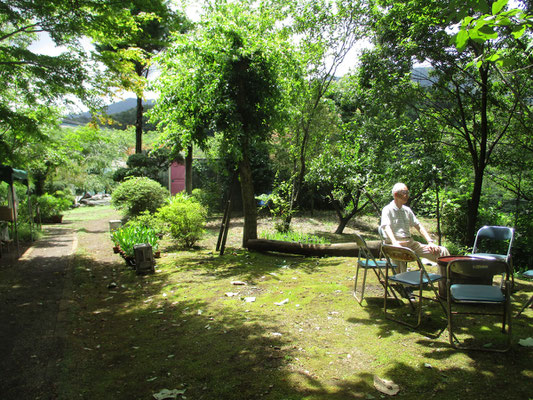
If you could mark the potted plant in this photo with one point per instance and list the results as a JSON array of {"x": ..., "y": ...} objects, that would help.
[
  {"x": 51, "y": 207},
  {"x": 126, "y": 237}
]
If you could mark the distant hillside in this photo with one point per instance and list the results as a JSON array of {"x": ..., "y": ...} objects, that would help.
[
  {"x": 421, "y": 75},
  {"x": 126, "y": 105},
  {"x": 124, "y": 112}
]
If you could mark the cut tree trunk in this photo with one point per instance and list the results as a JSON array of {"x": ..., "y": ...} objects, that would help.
[{"x": 317, "y": 250}]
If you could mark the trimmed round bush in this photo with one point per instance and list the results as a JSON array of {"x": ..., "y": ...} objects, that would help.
[
  {"x": 185, "y": 219},
  {"x": 139, "y": 194}
]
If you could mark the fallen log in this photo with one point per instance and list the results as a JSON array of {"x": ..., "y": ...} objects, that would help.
[{"x": 316, "y": 250}]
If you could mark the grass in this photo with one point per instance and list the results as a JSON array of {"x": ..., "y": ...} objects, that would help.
[
  {"x": 293, "y": 331},
  {"x": 292, "y": 236}
]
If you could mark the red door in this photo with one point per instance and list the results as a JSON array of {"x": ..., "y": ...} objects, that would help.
[{"x": 177, "y": 178}]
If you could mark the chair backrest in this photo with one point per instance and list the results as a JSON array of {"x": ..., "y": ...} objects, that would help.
[
  {"x": 364, "y": 251},
  {"x": 382, "y": 234},
  {"x": 397, "y": 253},
  {"x": 495, "y": 237},
  {"x": 479, "y": 268}
]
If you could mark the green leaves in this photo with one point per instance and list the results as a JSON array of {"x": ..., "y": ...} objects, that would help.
[
  {"x": 498, "y": 6},
  {"x": 128, "y": 236},
  {"x": 185, "y": 219},
  {"x": 488, "y": 27}
]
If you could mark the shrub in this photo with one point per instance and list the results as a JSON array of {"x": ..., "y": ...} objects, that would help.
[
  {"x": 147, "y": 220},
  {"x": 208, "y": 198},
  {"x": 50, "y": 205},
  {"x": 185, "y": 218},
  {"x": 136, "y": 195},
  {"x": 278, "y": 203}
]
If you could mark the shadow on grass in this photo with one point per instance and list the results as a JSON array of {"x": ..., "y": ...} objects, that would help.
[
  {"x": 433, "y": 324},
  {"x": 131, "y": 342},
  {"x": 146, "y": 333},
  {"x": 242, "y": 264},
  {"x": 487, "y": 377}
]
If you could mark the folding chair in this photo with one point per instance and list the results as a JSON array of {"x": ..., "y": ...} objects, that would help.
[
  {"x": 366, "y": 261},
  {"x": 529, "y": 275},
  {"x": 416, "y": 279},
  {"x": 494, "y": 242},
  {"x": 479, "y": 294}
]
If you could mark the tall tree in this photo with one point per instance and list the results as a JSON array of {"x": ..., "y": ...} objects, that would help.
[
  {"x": 32, "y": 84},
  {"x": 472, "y": 106},
  {"x": 133, "y": 32},
  {"x": 226, "y": 76},
  {"x": 326, "y": 31}
]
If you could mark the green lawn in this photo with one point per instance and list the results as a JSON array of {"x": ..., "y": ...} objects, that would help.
[{"x": 293, "y": 331}]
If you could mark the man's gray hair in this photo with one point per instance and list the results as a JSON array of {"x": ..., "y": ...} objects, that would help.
[{"x": 397, "y": 187}]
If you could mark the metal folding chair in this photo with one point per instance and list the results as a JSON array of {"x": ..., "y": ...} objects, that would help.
[
  {"x": 366, "y": 261},
  {"x": 417, "y": 279},
  {"x": 484, "y": 295},
  {"x": 494, "y": 242}
]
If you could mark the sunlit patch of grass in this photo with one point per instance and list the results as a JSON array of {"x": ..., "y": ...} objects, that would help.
[
  {"x": 292, "y": 236},
  {"x": 81, "y": 214}
]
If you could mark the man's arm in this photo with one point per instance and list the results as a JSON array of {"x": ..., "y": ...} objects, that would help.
[
  {"x": 425, "y": 233},
  {"x": 390, "y": 235}
]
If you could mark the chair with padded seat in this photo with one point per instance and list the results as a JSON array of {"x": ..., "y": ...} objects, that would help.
[
  {"x": 461, "y": 297},
  {"x": 418, "y": 279},
  {"x": 494, "y": 242},
  {"x": 366, "y": 261}
]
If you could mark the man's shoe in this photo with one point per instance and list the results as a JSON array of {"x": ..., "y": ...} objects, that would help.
[{"x": 409, "y": 293}]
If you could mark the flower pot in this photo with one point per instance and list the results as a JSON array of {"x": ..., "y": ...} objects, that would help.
[
  {"x": 130, "y": 261},
  {"x": 53, "y": 219}
]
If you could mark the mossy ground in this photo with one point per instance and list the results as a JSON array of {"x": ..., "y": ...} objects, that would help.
[{"x": 189, "y": 327}]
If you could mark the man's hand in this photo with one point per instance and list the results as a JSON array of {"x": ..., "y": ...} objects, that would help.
[{"x": 433, "y": 248}]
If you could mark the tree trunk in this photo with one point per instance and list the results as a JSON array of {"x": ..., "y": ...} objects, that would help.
[
  {"x": 437, "y": 209},
  {"x": 343, "y": 221},
  {"x": 139, "y": 126},
  {"x": 479, "y": 161},
  {"x": 473, "y": 208},
  {"x": 316, "y": 250},
  {"x": 188, "y": 170},
  {"x": 248, "y": 200}
]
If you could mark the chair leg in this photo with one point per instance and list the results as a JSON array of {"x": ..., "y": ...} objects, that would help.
[
  {"x": 359, "y": 299},
  {"x": 381, "y": 279},
  {"x": 418, "y": 310},
  {"x": 456, "y": 344},
  {"x": 527, "y": 304}
]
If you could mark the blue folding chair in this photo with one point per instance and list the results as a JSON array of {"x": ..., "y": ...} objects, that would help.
[
  {"x": 483, "y": 295},
  {"x": 366, "y": 261},
  {"x": 418, "y": 279},
  {"x": 494, "y": 242}
]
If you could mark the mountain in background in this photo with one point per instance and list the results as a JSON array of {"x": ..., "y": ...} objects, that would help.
[
  {"x": 421, "y": 75},
  {"x": 126, "y": 105},
  {"x": 123, "y": 112}
]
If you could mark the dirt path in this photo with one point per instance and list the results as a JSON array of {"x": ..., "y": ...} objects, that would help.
[{"x": 32, "y": 310}]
